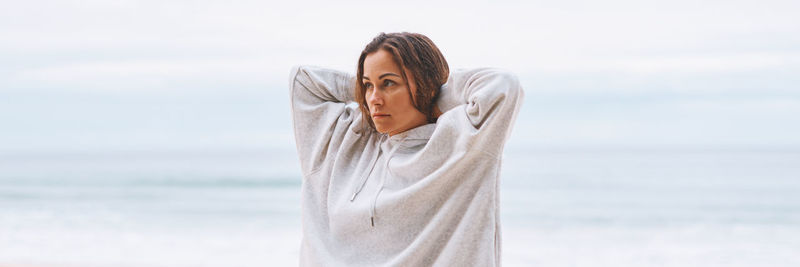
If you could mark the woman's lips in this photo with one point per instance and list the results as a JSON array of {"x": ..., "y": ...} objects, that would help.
[{"x": 379, "y": 116}]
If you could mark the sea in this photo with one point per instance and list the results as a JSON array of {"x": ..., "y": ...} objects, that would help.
[{"x": 560, "y": 206}]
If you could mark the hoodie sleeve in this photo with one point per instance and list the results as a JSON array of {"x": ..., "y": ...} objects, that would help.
[
  {"x": 320, "y": 114},
  {"x": 479, "y": 108}
]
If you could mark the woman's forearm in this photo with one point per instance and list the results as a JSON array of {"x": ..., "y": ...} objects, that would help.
[
  {"x": 315, "y": 84},
  {"x": 484, "y": 92}
]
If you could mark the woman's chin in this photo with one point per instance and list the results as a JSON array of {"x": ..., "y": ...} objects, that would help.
[
  {"x": 381, "y": 130},
  {"x": 380, "y": 127}
]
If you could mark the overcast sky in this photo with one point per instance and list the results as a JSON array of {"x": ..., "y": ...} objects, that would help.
[{"x": 129, "y": 74}]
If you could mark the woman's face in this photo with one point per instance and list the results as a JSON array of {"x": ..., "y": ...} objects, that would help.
[{"x": 388, "y": 98}]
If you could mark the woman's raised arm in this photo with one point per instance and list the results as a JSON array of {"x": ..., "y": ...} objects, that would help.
[
  {"x": 319, "y": 112},
  {"x": 481, "y": 105}
]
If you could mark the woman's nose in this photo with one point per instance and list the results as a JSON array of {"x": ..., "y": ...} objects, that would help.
[{"x": 374, "y": 99}]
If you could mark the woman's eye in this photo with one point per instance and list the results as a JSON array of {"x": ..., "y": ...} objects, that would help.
[
  {"x": 388, "y": 83},
  {"x": 368, "y": 85}
]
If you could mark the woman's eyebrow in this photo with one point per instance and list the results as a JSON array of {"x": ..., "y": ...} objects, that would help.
[{"x": 389, "y": 73}]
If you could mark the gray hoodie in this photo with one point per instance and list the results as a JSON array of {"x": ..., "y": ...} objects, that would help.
[{"x": 424, "y": 197}]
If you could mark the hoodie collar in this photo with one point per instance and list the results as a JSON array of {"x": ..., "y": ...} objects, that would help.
[{"x": 422, "y": 132}]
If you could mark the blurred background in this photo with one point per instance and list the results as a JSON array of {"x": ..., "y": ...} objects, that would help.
[{"x": 158, "y": 133}]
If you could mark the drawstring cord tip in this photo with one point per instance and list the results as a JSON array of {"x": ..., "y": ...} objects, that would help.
[{"x": 372, "y": 221}]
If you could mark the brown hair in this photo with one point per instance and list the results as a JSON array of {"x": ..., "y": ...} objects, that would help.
[{"x": 418, "y": 54}]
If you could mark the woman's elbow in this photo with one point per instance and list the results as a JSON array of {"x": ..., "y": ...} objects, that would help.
[{"x": 507, "y": 82}]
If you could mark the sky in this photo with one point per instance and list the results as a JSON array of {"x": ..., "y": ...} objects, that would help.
[{"x": 133, "y": 75}]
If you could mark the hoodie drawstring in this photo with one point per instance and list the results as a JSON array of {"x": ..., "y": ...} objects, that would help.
[
  {"x": 363, "y": 180},
  {"x": 383, "y": 180}
]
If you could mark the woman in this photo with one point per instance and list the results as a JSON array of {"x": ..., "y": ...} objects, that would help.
[{"x": 409, "y": 177}]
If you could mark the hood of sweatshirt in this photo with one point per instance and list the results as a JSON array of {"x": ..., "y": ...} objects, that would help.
[{"x": 409, "y": 139}]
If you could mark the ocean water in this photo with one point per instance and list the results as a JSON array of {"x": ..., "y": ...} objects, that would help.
[{"x": 560, "y": 207}]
